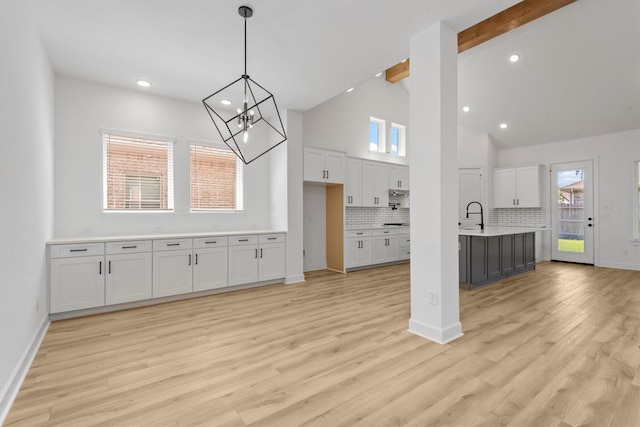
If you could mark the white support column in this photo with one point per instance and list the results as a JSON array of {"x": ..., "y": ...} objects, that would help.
[
  {"x": 294, "y": 260},
  {"x": 435, "y": 310}
]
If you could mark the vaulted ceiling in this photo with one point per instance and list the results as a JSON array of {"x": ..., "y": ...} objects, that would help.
[{"x": 578, "y": 74}]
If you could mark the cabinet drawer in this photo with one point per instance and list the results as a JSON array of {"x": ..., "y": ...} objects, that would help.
[
  {"x": 271, "y": 238},
  {"x": 243, "y": 240},
  {"x": 387, "y": 232},
  {"x": 76, "y": 249},
  {"x": 405, "y": 241},
  {"x": 357, "y": 233},
  {"x": 129, "y": 247},
  {"x": 172, "y": 244},
  {"x": 210, "y": 242}
]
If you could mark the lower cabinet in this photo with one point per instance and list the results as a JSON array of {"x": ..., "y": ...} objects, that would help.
[
  {"x": 76, "y": 282},
  {"x": 209, "y": 263},
  {"x": 128, "y": 271},
  {"x": 255, "y": 258},
  {"x": 484, "y": 260},
  {"x": 358, "y": 248},
  {"x": 85, "y": 276},
  {"x": 385, "y": 246}
]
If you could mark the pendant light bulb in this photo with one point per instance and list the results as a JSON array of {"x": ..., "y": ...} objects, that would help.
[{"x": 245, "y": 136}]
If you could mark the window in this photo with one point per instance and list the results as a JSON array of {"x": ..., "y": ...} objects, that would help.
[
  {"x": 377, "y": 132},
  {"x": 137, "y": 172},
  {"x": 398, "y": 140},
  {"x": 216, "y": 178},
  {"x": 636, "y": 203}
]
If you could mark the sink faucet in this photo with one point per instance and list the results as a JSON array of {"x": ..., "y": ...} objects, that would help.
[{"x": 477, "y": 213}]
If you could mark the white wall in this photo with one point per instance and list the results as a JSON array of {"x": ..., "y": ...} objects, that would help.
[
  {"x": 477, "y": 150},
  {"x": 342, "y": 123},
  {"x": 26, "y": 189},
  {"x": 613, "y": 157},
  {"x": 83, "y": 108}
]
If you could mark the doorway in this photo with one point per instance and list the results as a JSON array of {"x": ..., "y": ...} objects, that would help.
[{"x": 572, "y": 221}]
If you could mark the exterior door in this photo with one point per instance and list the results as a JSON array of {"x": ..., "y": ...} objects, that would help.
[{"x": 572, "y": 221}]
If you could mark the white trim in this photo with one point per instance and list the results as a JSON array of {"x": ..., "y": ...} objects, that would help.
[
  {"x": 135, "y": 134},
  {"x": 636, "y": 203},
  {"x": 297, "y": 278},
  {"x": 16, "y": 379},
  {"x": 441, "y": 336}
]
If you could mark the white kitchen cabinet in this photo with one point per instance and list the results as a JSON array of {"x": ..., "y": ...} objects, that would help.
[
  {"x": 76, "y": 276},
  {"x": 385, "y": 246},
  {"x": 271, "y": 257},
  {"x": 128, "y": 271},
  {"x": 517, "y": 187},
  {"x": 322, "y": 165},
  {"x": 398, "y": 177},
  {"x": 255, "y": 258},
  {"x": 353, "y": 182},
  {"x": 358, "y": 248},
  {"x": 210, "y": 263},
  {"x": 172, "y": 267},
  {"x": 375, "y": 191}
]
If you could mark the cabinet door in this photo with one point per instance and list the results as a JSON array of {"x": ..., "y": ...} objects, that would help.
[
  {"x": 364, "y": 253},
  {"x": 378, "y": 249},
  {"x": 478, "y": 258},
  {"x": 375, "y": 177},
  {"x": 462, "y": 259},
  {"x": 314, "y": 164},
  {"x": 271, "y": 261},
  {"x": 398, "y": 177},
  {"x": 528, "y": 187},
  {"x": 519, "y": 263},
  {"x": 530, "y": 250},
  {"x": 334, "y": 166},
  {"x": 381, "y": 183},
  {"x": 392, "y": 249},
  {"x": 507, "y": 254},
  {"x": 351, "y": 252},
  {"x": 210, "y": 268},
  {"x": 504, "y": 188},
  {"x": 76, "y": 283},
  {"x": 128, "y": 278},
  {"x": 243, "y": 264},
  {"x": 172, "y": 273},
  {"x": 358, "y": 252},
  {"x": 494, "y": 253},
  {"x": 353, "y": 192}
]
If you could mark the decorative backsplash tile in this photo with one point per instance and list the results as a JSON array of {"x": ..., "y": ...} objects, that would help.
[
  {"x": 355, "y": 217},
  {"x": 518, "y": 217}
]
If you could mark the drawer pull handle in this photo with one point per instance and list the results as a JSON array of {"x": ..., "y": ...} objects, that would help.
[
  {"x": 189, "y": 259},
  {"x": 243, "y": 240},
  {"x": 78, "y": 250},
  {"x": 173, "y": 244},
  {"x": 211, "y": 242},
  {"x": 272, "y": 238},
  {"x": 109, "y": 267},
  {"x": 100, "y": 269},
  {"x": 359, "y": 234},
  {"x": 130, "y": 247}
]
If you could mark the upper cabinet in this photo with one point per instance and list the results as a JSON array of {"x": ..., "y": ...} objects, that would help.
[
  {"x": 375, "y": 180},
  {"x": 323, "y": 165},
  {"x": 399, "y": 177},
  {"x": 517, "y": 187},
  {"x": 353, "y": 182}
]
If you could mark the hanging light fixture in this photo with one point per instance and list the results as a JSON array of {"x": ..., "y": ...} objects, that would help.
[{"x": 245, "y": 113}]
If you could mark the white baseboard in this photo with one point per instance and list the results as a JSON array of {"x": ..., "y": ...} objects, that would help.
[
  {"x": 295, "y": 278},
  {"x": 619, "y": 265},
  {"x": 20, "y": 371},
  {"x": 441, "y": 336}
]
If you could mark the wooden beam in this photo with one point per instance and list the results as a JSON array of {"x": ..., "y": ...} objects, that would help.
[
  {"x": 507, "y": 20},
  {"x": 398, "y": 72},
  {"x": 494, "y": 26}
]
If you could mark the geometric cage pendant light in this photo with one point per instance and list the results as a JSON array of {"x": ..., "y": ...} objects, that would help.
[{"x": 245, "y": 113}]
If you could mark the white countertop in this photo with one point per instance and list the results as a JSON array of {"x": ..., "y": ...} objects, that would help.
[
  {"x": 498, "y": 231},
  {"x": 374, "y": 227},
  {"x": 129, "y": 237}
]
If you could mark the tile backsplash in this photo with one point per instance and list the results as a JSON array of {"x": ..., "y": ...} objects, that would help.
[
  {"x": 518, "y": 217},
  {"x": 356, "y": 217}
]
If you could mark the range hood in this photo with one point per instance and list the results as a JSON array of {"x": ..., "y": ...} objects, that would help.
[{"x": 397, "y": 192}]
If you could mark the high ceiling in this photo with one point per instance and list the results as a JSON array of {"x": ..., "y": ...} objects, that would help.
[{"x": 578, "y": 74}]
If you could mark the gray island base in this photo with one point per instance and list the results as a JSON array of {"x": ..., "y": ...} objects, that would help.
[{"x": 491, "y": 255}]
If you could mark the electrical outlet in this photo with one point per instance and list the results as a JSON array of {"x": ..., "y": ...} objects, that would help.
[{"x": 433, "y": 297}]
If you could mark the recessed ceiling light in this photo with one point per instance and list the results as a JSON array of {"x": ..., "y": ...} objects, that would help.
[
  {"x": 225, "y": 102},
  {"x": 379, "y": 74},
  {"x": 514, "y": 58},
  {"x": 466, "y": 109},
  {"x": 350, "y": 89},
  {"x": 143, "y": 83},
  {"x": 503, "y": 125}
]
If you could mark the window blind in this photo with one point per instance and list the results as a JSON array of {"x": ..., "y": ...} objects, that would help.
[
  {"x": 137, "y": 173},
  {"x": 216, "y": 178}
]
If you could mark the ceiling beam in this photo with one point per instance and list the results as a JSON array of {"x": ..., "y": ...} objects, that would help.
[
  {"x": 494, "y": 26},
  {"x": 398, "y": 71}
]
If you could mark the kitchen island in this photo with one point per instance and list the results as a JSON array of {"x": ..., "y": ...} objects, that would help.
[{"x": 486, "y": 256}]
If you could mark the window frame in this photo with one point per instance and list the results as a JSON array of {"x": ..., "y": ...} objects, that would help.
[
  {"x": 169, "y": 181},
  {"x": 239, "y": 179},
  {"x": 382, "y": 133},
  {"x": 402, "y": 139}
]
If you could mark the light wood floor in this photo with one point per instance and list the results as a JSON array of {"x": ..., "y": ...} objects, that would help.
[{"x": 555, "y": 347}]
